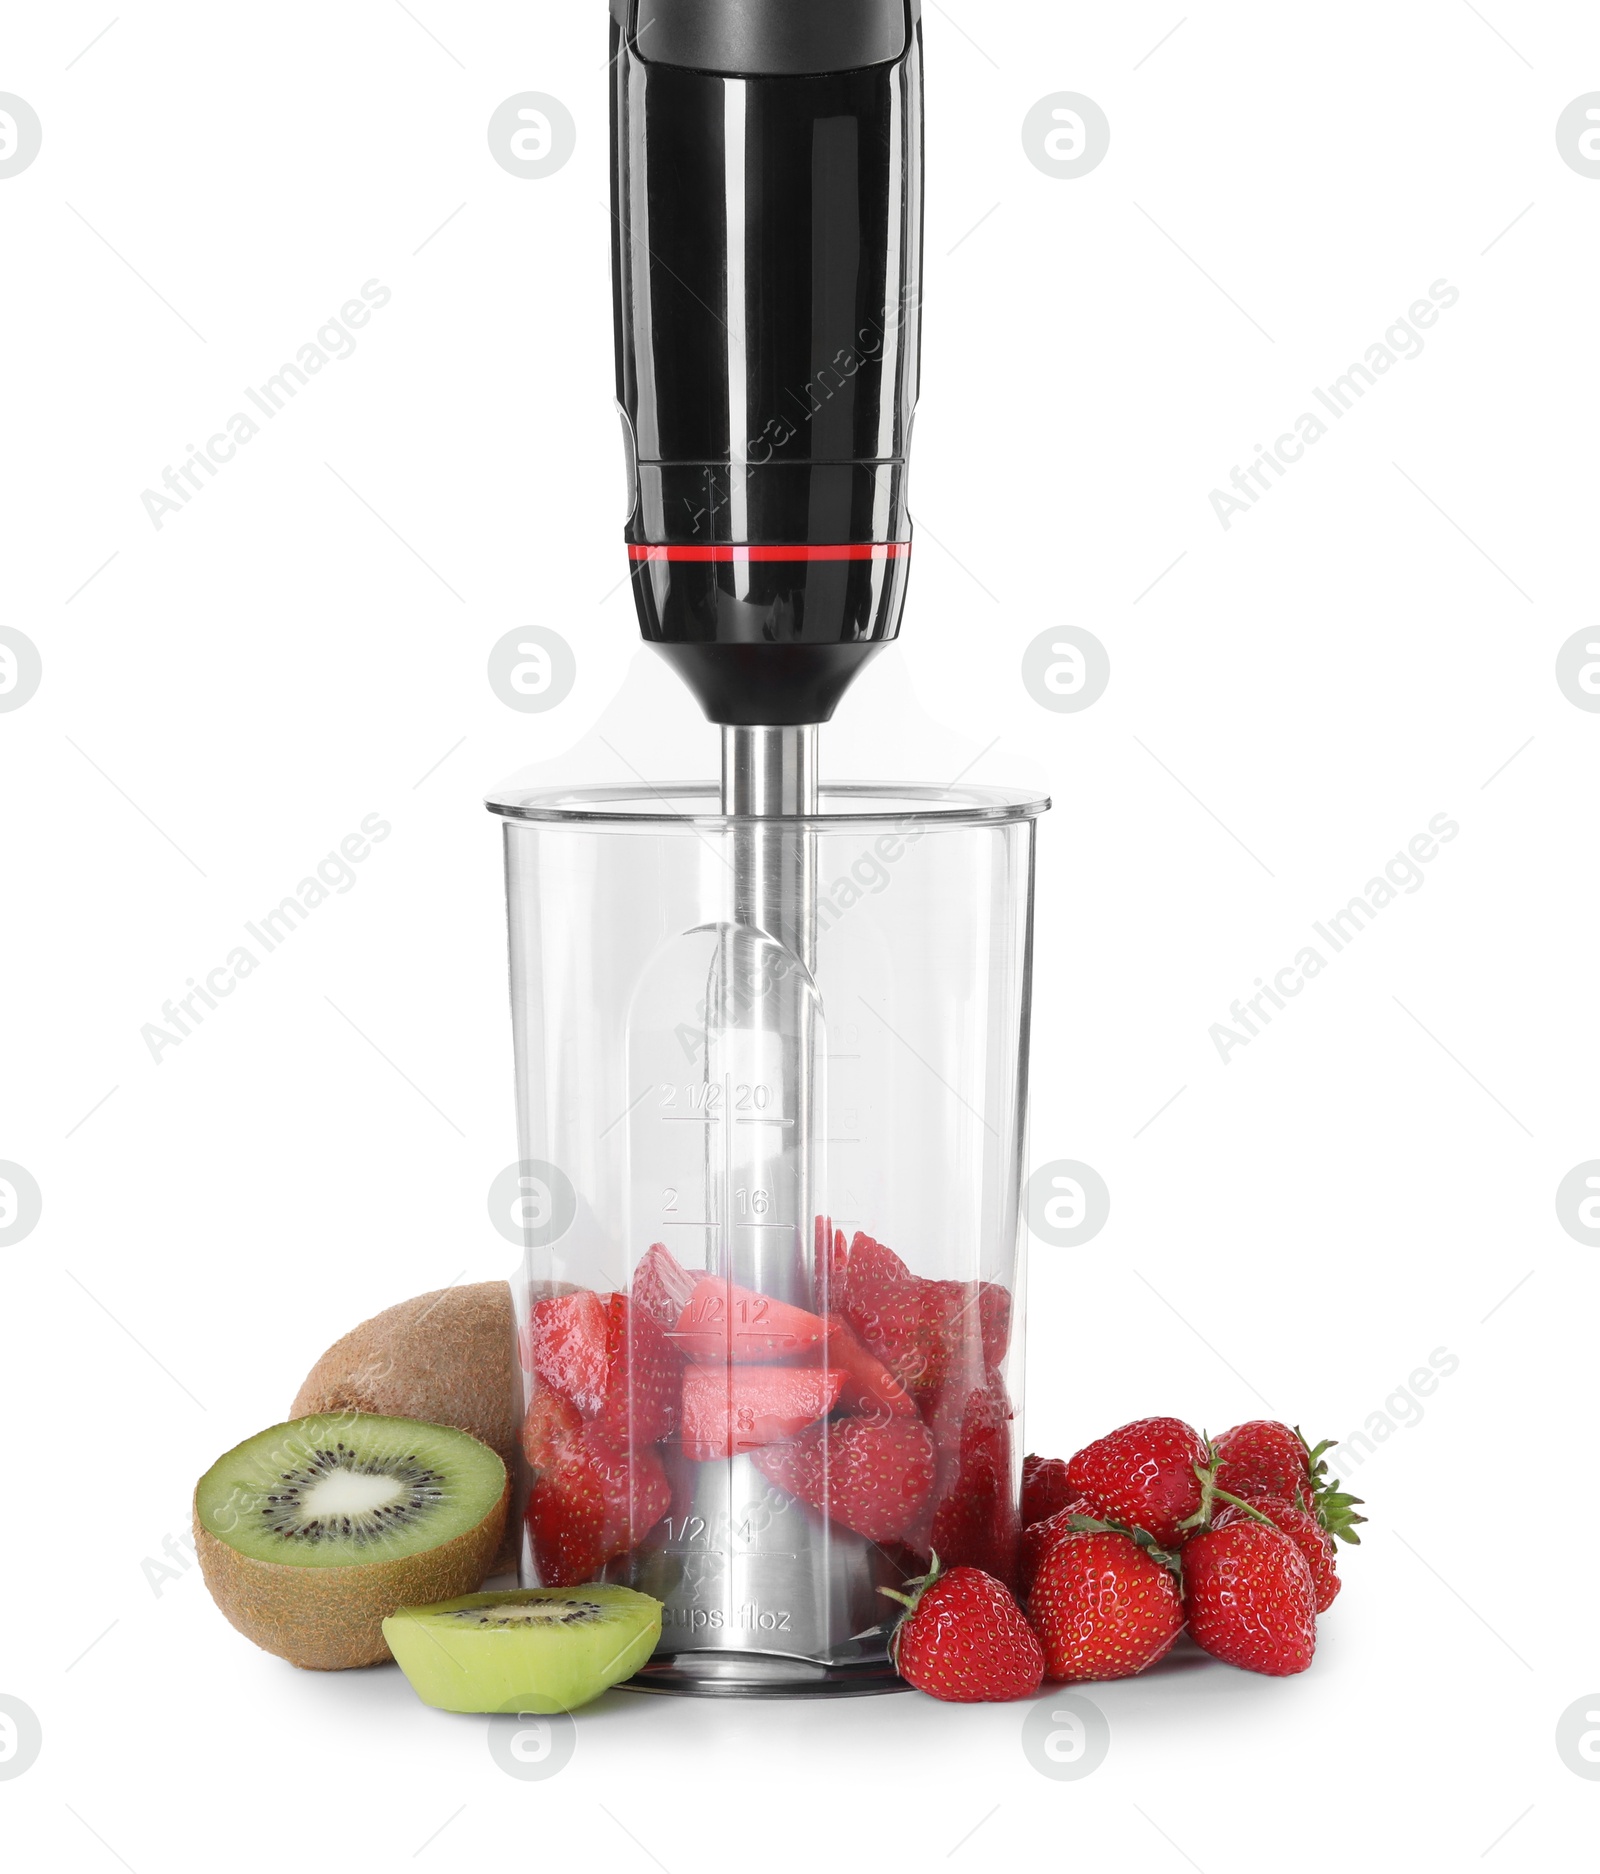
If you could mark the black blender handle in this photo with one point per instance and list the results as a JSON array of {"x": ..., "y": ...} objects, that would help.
[{"x": 766, "y": 273}]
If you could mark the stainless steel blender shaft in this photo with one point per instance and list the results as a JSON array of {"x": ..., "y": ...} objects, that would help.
[
  {"x": 771, "y": 773},
  {"x": 769, "y": 1576}
]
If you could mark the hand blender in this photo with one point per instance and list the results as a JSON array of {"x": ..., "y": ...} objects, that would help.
[
  {"x": 771, "y": 1034},
  {"x": 766, "y": 274}
]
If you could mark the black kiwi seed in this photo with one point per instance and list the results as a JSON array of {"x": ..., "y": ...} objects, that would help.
[
  {"x": 540, "y": 1613},
  {"x": 283, "y": 1510}
]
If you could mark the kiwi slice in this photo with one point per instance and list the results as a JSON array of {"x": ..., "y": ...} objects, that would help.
[
  {"x": 530, "y": 1649},
  {"x": 311, "y": 1532}
]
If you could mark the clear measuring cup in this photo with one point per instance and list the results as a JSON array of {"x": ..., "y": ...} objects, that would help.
[{"x": 768, "y": 1185}]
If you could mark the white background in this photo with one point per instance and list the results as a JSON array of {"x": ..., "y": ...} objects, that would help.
[{"x": 1366, "y": 1182}]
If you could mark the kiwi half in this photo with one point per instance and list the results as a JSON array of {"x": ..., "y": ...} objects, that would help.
[
  {"x": 313, "y": 1531},
  {"x": 530, "y": 1649}
]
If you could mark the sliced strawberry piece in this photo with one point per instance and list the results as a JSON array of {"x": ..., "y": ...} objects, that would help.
[
  {"x": 609, "y": 1360},
  {"x": 975, "y": 1521},
  {"x": 942, "y": 1414},
  {"x": 549, "y": 1423},
  {"x": 870, "y": 1389},
  {"x": 831, "y": 1260},
  {"x": 947, "y": 1323},
  {"x": 875, "y": 1281},
  {"x": 994, "y": 1321},
  {"x": 593, "y": 1503},
  {"x": 722, "y": 1321},
  {"x": 732, "y": 1409},
  {"x": 923, "y": 1331},
  {"x": 967, "y": 1417},
  {"x": 661, "y": 1285},
  {"x": 569, "y": 1348},
  {"x": 872, "y": 1478},
  {"x": 958, "y": 1319},
  {"x": 889, "y": 1308},
  {"x": 640, "y": 1403}
]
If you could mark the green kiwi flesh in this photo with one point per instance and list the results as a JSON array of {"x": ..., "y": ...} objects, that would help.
[
  {"x": 313, "y": 1531},
  {"x": 529, "y": 1649}
]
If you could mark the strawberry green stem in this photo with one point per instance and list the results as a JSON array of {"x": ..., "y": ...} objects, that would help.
[
  {"x": 1211, "y": 1491},
  {"x": 918, "y": 1588},
  {"x": 1096, "y": 1525},
  {"x": 1239, "y": 1503}
]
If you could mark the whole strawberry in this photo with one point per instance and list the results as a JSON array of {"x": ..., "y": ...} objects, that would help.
[
  {"x": 1250, "y": 1598},
  {"x": 1039, "y": 1538},
  {"x": 963, "y": 1638},
  {"x": 1263, "y": 1458},
  {"x": 1142, "y": 1474},
  {"x": 1044, "y": 1487},
  {"x": 1103, "y": 1607},
  {"x": 1304, "y": 1531}
]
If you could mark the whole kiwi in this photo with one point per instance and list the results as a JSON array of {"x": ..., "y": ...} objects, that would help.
[{"x": 448, "y": 1357}]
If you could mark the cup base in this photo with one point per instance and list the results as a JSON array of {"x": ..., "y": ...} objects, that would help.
[{"x": 761, "y": 1675}]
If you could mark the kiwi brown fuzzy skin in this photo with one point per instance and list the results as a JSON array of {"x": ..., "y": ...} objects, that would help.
[
  {"x": 448, "y": 1357},
  {"x": 327, "y": 1619}
]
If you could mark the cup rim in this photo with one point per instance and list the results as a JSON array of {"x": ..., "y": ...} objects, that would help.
[{"x": 844, "y": 804}]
